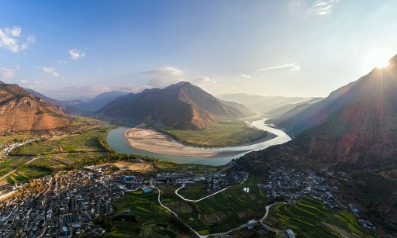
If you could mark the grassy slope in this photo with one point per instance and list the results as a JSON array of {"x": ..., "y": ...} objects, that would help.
[
  {"x": 221, "y": 212},
  {"x": 222, "y": 133},
  {"x": 55, "y": 154},
  {"x": 151, "y": 219},
  {"x": 311, "y": 218}
]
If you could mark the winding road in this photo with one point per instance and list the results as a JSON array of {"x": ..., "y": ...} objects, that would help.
[{"x": 197, "y": 200}]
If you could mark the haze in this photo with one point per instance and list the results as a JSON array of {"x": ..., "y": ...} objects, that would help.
[{"x": 75, "y": 49}]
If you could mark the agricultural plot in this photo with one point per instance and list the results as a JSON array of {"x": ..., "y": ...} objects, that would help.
[
  {"x": 140, "y": 215},
  {"x": 60, "y": 152},
  {"x": 311, "y": 218},
  {"x": 195, "y": 191},
  {"x": 80, "y": 142},
  {"x": 5, "y": 139},
  {"x": 223, "y": 211},
  {"x": 10, "y": 163},
  {"x": 197, "y": 169},
  {"x": 222, "y": 133}
]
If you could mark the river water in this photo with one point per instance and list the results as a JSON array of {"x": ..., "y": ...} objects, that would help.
[{"x": 119, "y": 143}]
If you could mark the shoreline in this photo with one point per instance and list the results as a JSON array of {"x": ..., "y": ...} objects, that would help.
[
  {"x": 267, "y": 137},
  {"x": 153, "y": 141}
]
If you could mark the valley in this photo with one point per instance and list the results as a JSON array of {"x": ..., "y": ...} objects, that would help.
[{"x": 231, "y": 198}]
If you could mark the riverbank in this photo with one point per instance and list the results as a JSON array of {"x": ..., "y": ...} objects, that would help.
[
  {"x": 156, "y": 142},
  {"x": 224, "y": 133}
]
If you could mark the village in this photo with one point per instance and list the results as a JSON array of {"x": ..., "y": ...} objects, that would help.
[
  {"x": 290, "y": 184},
  {"x": 66, "y": 203}
]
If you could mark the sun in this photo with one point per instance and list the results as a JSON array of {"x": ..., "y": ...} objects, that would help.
[
  {"x": 379, "y": 58},
  {"x": 382, "y": 64}
]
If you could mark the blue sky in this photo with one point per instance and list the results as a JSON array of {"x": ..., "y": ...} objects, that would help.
[{"x": 72, "y": 49}]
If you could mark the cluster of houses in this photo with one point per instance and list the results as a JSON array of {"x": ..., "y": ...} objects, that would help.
[
  {"x": 60, "y": 205},
  {"x": 290, "y": 183},
  {"x": 215, "y": 181},
  {"x": 66, "y": 203}
]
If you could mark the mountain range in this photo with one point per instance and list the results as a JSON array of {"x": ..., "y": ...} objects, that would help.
[
  {"x": 355, "y": 124},
  {"x": 354, "y": 129},
  {"x": 80, "y": 106},
  {"x": 264, "y": 104},
  {"x": 181, "y": 105},
  {"x": 22, "y": 111}
]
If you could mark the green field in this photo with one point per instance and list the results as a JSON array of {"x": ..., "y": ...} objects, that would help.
[
  {"x": 195, "y": 191},
  {"x": 79, "y": 142},
  {"x": 311, "y": 218},
  {"x": 56, "y": 153},
  {"x": 222, "y": 133},
  {"x": 221, "y": 212},
  {"x": 143, "y": 217}
]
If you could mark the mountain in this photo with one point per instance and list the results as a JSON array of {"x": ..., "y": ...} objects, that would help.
[
  {"x": 288, "y": 110},
  {"x": 262, "y": 104},
  {"x": 355, "y": 130},
  {"x": 80, "y": 106},
  {"x": 181, "y": 105},
  {"x": 354, "y": 125},
  {"x": 104, "y": 98},
  {"x": 22, "y": 111}
]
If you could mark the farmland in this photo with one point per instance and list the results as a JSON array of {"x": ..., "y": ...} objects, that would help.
[
  {"x": 47, "y": 155},
  {"x": 221, "y": 134},
  {"x": 311, "y": 218},
  {"x": 221, "y": 212},
  {"x": 140, "y": 215}
]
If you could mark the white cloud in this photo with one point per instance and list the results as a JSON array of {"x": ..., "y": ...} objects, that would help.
[
  {"x": 163, "y": 77},
  {"x": 204, "y": 82},
  {"x": 49, "y": 70},
  {"x": 10, "y": 39},
  {"x": 132, "y": 88},
  {"x": 78, "y": 92},
  {"x": 289, "y": 67},
  {"x": 23, "y": 81},
  {"x": 323, "y": 7},
  {"x": 7, "y": 73},
  {"x": 76, "y": 54},
  {"x": 247, "y": 76}
]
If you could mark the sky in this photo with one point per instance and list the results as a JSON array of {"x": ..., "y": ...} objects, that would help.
[{"x": 73, "y": 49}]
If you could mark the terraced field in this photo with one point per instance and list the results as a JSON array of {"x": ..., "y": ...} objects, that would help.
[
  {"x": 140, "y": 215},
  {"x": 311, "y": 218},
  {"x": 221, "y": 212},
  {"x": 48, "y": 155}
]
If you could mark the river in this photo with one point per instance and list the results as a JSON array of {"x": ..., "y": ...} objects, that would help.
[{"x": 119, "y": 143}]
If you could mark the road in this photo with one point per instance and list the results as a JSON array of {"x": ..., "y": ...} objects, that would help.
[
  {"x": 198, "y": 200},
  {"x": 188, "y": 200},
  {"x": 267, "y": 211},
  {"x": 14, "y": 170}
]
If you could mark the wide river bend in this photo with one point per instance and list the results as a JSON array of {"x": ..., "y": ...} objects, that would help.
[{"x": 119, "y": 143}]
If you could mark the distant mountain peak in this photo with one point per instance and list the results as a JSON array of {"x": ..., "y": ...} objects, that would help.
[
  {"x": 181, "y": 105},
  {"x": 181, "y": 84}
]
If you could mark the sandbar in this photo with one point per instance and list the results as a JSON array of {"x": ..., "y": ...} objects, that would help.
[{"x": 156, "y": 142}]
